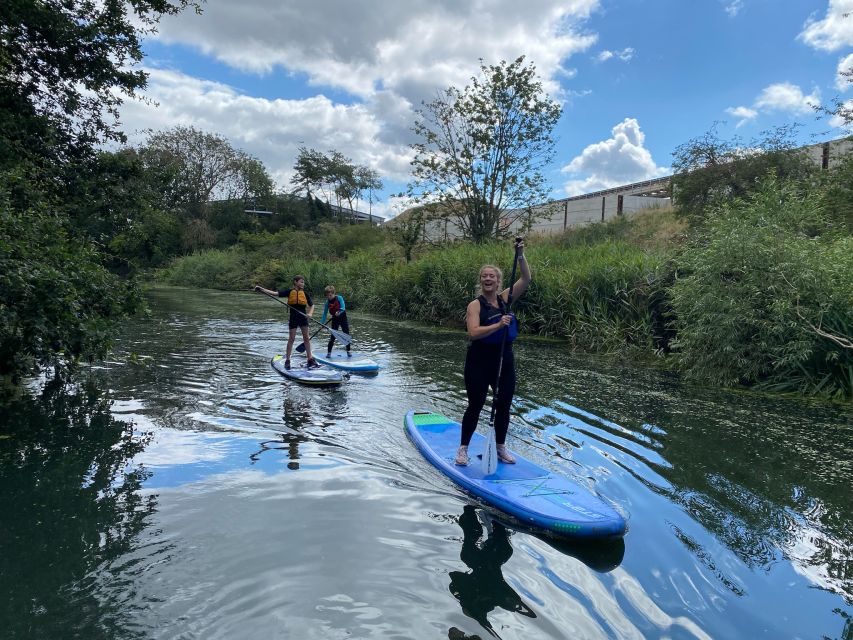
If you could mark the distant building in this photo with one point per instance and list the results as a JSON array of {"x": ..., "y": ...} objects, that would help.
[
  {"x": 600, "y": 206},
  {"x": 338, "y": 213}
]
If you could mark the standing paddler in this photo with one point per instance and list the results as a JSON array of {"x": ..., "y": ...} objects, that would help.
[{"x": 491, "y": 329}]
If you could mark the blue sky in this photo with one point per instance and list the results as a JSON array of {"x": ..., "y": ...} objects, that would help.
[{"x": 636, "y": 78}]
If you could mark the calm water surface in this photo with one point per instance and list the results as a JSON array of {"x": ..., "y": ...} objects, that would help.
[{"x": 185, "y": 490}]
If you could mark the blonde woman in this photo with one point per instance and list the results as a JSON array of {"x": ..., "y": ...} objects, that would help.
[{"x": 487, "y": 317}]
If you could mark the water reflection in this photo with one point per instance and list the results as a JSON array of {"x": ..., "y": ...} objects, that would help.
[
  {"x": 70, "y": 507},
  {"x": 484, "y": 588},
  {"x": 740, "y": 505}
]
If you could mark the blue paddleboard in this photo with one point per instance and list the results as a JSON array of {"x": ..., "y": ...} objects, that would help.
[
  {"x": 526, "y": 491},
  {"x": 303, "y": 375},
  {"x": 357, "y": 362}
]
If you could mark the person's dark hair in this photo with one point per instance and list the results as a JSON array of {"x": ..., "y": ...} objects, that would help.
[{"x": 298, "y": 277}]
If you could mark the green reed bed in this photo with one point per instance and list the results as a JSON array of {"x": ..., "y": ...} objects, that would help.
[
  {"x": 765, "y": 297},
  {"x": 761, "y": 295}
]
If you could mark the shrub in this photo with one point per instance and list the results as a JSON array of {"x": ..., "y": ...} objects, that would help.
[{"x": 762, "y": 277}]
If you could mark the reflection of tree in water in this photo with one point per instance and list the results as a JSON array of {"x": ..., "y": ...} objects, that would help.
[
  {"x": 297, "y": 416},
  {"x": 70, "y": 507},
  {"x": 483, "y": 588}
]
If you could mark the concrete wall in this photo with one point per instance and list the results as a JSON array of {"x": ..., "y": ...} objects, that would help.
[{"x": 605, "y": 205}]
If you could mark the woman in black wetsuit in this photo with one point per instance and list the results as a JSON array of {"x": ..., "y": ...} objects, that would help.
[{"x": 486, "y": 317}]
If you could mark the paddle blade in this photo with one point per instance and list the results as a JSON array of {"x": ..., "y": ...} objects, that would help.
[
  {"x": 340, "y": 336},
  {"x": 300, "y": 347},
  {"x": 490, "y": 454}
]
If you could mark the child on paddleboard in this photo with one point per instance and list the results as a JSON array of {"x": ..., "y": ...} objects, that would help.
[
  {"x": 486, "y": 319},
  {"x": 301, "y": 306},
  {"x": 336, "y": 309}
]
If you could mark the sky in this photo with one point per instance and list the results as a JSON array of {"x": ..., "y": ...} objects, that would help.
[{"x": 635, "y": 78}]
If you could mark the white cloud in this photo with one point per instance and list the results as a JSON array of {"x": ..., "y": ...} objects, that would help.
[
  {"x": 379, "y": 60},
  {"x": 845, "y": 65},
  {"x": 733, "y": 7},
  {"x": 625, "y": 55},
  {"x": 832, "y": 32},
  {"x": 409, "y": 48},
  {"x": 272, "y": 130},
  {"x": 782, "y": 96},
  {"x": 787, "y": 97},
  {"x": 618, "y": 160},
  {"x": 744, "y": 114}
]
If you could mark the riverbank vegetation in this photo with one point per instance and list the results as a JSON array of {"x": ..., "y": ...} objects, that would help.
[
  {"x": 749, "y": 281},
  {"x": 755, "y": 290}
]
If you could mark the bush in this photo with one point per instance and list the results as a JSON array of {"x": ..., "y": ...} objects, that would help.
[
  {"x": 763, "y": 279},
  {"x": 214, "y": 269},
  {"x": 58, "y": 304}
]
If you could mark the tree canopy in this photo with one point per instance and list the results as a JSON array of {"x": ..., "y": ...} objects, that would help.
[
  {"x": 708, "y": 169},
  {"x": 65, "y": 67},
  {"x": 334, "y": 175},
  {"x": 205, "y": 166},
  {"x": 482, "y": 150}
]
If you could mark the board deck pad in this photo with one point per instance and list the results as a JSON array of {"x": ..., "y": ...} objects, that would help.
[
  {"x": 361, "y": 362},
  {"x": 299, "y": 372},
  {"x": 526, "y": 491}
]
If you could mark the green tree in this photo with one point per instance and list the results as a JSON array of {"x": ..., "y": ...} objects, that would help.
[
  {"x": 334, "y": 175},
  {"x": 709, "y": 170},
  {"x": 205, "y": 167},
  {"x": 58, "y": 303},
  {"x": 482, "y": 150},
  {"x": 408, "y": 232},
  {"x": 765, "y": 295},
  {"x": 65, "y": 67}
]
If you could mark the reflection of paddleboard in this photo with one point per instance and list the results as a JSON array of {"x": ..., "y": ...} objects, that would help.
[
  {"x": 524, "y": 490},
  {"x": 359, "y": 362},
  {"x": 302, "y": 374}
]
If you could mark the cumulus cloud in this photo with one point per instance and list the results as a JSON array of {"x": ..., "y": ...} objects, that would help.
[
  {"x": 624, "y": 55},
  {"x": 834, "y": 30},
  {"x": 410, "y": 47},
  {"x": 272, "y": 130},
  {"x": 787, "y": 97},
  {"x": 379, "y": 60},
  {"x": 782, "y": 96},
  {"x": 618, "y": 160},
  {"x": 845, "y": 66}
]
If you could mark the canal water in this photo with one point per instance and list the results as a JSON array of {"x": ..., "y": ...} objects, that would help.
[{"x": 183, "y": 489}]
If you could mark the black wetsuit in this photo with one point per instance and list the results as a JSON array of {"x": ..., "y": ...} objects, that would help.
[{"x": 481, "y": 372}]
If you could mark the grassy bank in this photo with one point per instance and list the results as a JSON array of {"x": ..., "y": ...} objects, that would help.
[{"x": 760, "y": 295}]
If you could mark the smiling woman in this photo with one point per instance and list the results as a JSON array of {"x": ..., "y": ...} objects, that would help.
[{"x": 489, "y": 361}]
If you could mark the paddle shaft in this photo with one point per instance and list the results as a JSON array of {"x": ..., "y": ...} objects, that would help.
[
  {"x": 302, "y": 344},
  {"x": 503, "y": 338},
  {"x": 344, "y": 338}
]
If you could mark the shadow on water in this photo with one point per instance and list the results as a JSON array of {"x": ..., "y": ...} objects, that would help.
[
  {"x": 483, "y": 588},
  {"x": 70, "y": 506}
]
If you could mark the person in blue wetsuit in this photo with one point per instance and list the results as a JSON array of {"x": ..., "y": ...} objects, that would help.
[
  {"x": 486, "y": 318},
  {"x": 301, "y": 305},
  {"x": 335, "y": 308}
]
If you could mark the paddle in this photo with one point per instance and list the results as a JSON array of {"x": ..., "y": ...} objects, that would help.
[
  {"x": 490, "y": 454},
  {"x": 301, "y": 346},
  {"x": 340, "y": 336}
]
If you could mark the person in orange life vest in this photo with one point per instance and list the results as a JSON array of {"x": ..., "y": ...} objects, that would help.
[
  {"x": 337, "y": 309},
  {"x": 486, "y": 319},
  {"x": 299, "y": 300}
]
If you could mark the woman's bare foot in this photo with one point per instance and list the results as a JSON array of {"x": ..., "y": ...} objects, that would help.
[
  {"x": 504, "y": 455},
  {"x": 462, "y": 456}
]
